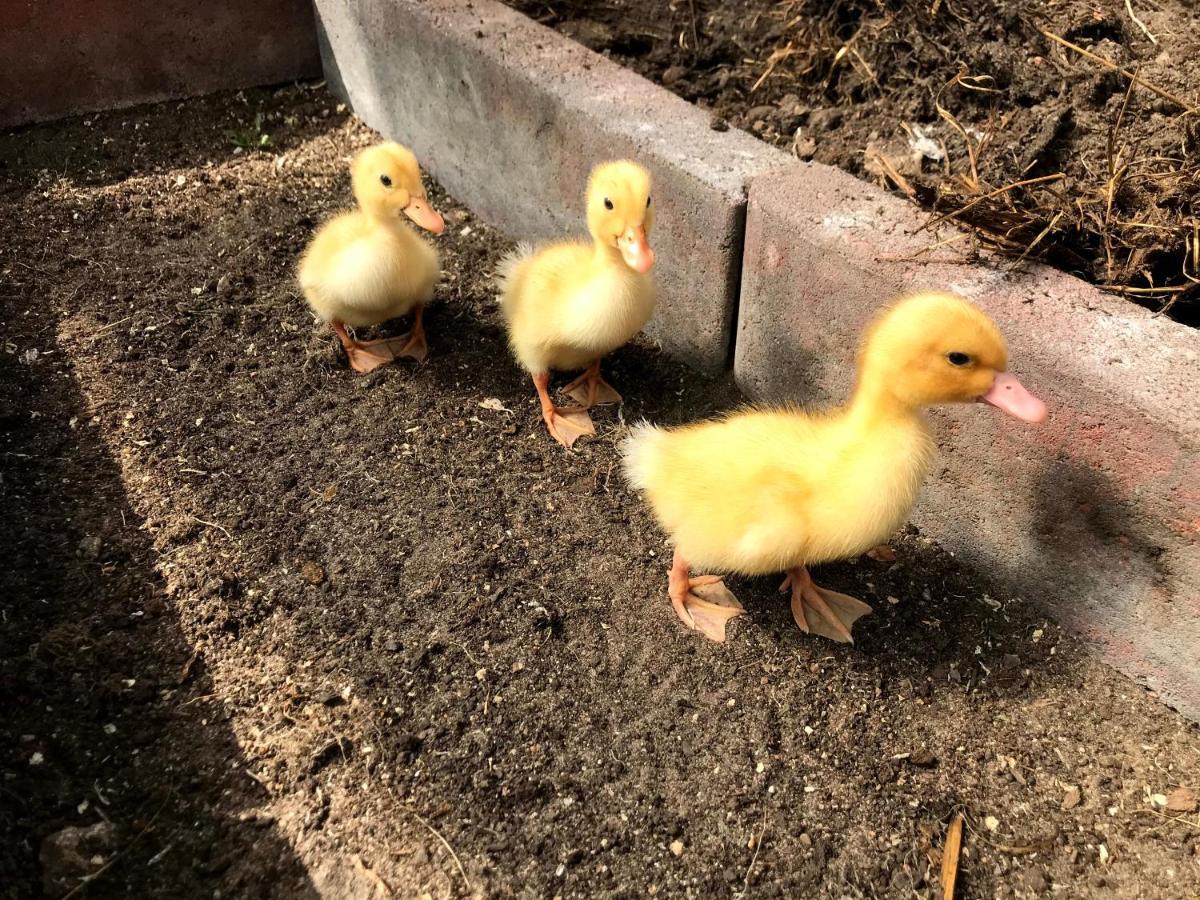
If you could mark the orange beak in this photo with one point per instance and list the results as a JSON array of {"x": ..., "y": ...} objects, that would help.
[
  {"x": 635, "y": 249},
  {"x": 425, "y": 215}
]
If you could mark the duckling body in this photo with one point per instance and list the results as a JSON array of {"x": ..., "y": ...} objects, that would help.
[
  {"x": 777, "y": 489},
  {"x": 367, "y": 266},
  {"x": 570, "y": 305},
  {"x": 571, "y": 302},
  {"x": 767, "y": 490},
  {"x": 364, "y": 272}
]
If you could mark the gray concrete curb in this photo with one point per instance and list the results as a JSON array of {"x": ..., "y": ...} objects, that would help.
[
  {"x": 62, "y": 57},
  {"x": 1095, "y": 515},
  {"x": 511, "y": 116}
]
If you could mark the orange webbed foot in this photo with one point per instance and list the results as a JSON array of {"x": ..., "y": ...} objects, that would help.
[
  {"x": 820, "y": 611},
  {"x": 702, "y": 603},
  {"x": 567, "y": 424}
]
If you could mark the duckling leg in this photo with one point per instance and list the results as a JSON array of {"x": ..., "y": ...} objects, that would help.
[
  {"x": 364, "y": 357},
  {"x": 565, "y": 423},
  {"x": 815, "y": 609},
  {"x": 702, "y": 603},
  {"x": 590, "y": 389},
  {"x": 413, "y": 343}
]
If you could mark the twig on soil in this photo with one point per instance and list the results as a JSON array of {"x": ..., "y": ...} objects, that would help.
[
  {"x": 437, "y": 834},
  {"x": 1180, "y": 820},
  {"x": 1042, "y": 179},
  {"x": 219, "y": 528},
  {"x": 371, "y": 874},
  {"x": 88, "y": 879},
  {"x": 1139, "y": 23},
  {"x": 757, "y": 846},
  {"x": 1109, "y": 64},
  {"x": 950, "y": 857}
]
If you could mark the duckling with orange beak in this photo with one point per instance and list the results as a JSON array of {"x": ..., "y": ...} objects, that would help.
[
  {"x": 776, "y": 489},
  {"x": 366, "y": 267},
  {"x": 571, "y": 302}
]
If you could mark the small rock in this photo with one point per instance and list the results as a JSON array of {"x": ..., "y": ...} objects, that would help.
[
  {"x": 70, "y": 855},
  {"x": 718, "y": 124},
  {"x": 677, "y": 848},
  {"x": 1071, "y": 798},
  {"x": 1032, "y": 880},
  {"x": 824, "y": 119},
  {"x": 89, "y": 547},
  {"x": 922, "y": 758},
  {"x": 758, "y": 113},
  {"x": 991, "y": 823},
  {"x": 674, "y": 74},
  {"x": 1182, "y": 800},
  {"x": 312, "y": 572},
  {"x": 805, "y": 148}
]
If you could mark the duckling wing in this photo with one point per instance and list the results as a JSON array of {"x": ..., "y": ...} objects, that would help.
[{"x": 730, "y": 492}]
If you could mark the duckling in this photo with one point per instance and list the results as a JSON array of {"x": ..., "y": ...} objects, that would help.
[
  {"x": 571, "y": 302},
  {"x": 776, "y": 489},
  {"x": 367, "y": 266}
]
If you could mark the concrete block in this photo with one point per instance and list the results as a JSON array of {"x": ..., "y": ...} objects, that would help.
[
  {"x": 511, "y": 116},
  {"x": 62, "y": 57},
  {"x": 1095, "y": 514}
]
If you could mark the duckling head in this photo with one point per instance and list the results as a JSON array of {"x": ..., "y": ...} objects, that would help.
[
  {"x": 387, "y": 184},
  {"x": 936, "y": 348},
  {"x": 619, "y": 213}
]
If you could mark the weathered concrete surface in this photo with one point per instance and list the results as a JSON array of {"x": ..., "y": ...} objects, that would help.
[
  {"x": 511, "y": 116},
  {"x": 1094, "y": 514},
  {"x": 61, "y": 57}
]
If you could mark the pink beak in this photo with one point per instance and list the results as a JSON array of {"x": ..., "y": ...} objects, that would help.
[
  {"x": 635, "y": 250},
  {"x": 1008, "y": 394},
  {"x": 424, "y": 215}
]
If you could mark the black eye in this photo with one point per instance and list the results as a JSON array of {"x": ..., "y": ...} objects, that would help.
[
  {"x": 385, "y": 181},
  {"x": 957, "y": 359},
  {"x": 607, "y": 203},
  {"x": 647, "y": 203}
]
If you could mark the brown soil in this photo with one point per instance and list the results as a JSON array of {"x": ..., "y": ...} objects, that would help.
[
  {"x": 291, "y": 630},
  {"x": 858, "y": 84}
]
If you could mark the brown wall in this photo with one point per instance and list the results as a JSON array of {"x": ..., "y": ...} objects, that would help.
[{"x": 59, "y": 57}]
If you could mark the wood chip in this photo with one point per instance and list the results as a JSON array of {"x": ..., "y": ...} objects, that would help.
[
  {"x": 1182, "y": 800},
  {"x": 1071, "y": 798},
  {"x": 950, "y": 857}
]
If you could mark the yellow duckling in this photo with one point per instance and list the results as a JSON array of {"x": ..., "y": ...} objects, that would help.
[
  {"x": 769, "y": 490},
  {"x": 367, "y": 266},
  {"x": 571, "y": 302}
]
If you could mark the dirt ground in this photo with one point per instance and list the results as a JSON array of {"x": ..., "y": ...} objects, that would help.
[
  {"x": 275, "y": 629},
  {"x": 956, "y": 103}
]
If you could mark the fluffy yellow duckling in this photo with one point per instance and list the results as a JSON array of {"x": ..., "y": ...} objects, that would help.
[
  {"x": 367, "y": 266},
  {"x": 571, "y": 302},
  {"x": 768, "y": 490}
]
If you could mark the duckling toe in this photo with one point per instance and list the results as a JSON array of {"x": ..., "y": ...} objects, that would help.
[
  {"x": 411, "y": 345},
  {"x": 820, "y": 611},
  {"x": 369, "y": 357},
  {"x": 711, "y": 605},
  {"x": 581, "y": 392},
  {"x": 569, "y": 423}
]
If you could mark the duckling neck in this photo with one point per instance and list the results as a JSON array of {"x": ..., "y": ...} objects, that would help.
[
  {"x": 872, "y": 403},
  {"x": 606, "y": 255}
]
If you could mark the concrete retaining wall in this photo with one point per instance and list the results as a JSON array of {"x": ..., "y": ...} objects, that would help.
[
  {"x": 510, "y": 117},
  {"x": 61, "y": 57}
]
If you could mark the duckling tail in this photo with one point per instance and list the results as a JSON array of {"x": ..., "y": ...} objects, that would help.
[
  {"x": 506, "y": 269},
  {"x": 640, "y": 453}
]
